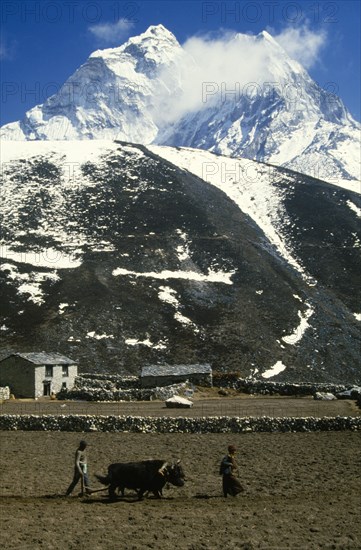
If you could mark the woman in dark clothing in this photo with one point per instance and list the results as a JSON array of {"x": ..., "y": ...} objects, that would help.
[{"x": 229, "y": 469}]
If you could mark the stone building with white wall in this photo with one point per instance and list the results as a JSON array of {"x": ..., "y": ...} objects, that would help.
[{"x": 37, "y": 374}]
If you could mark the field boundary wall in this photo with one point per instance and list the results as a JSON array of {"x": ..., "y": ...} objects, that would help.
[{"x": 144, "y": 424}]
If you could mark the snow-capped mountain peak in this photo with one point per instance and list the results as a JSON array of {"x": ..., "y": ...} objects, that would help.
[
  {"x": 149, "y": 44},
  {"x": 150, "y": 90},
  {"x": 264, "y": 35}
]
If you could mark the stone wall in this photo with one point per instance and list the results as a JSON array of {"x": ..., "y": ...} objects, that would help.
[
  {"x": 199, "y": 379},
  {"x": 263, "y": 387},
  {"x": 97, "y": 387},
  {"x": 120, "y": 382},
  {"x": 106, "y": 387},
  {"x": 105, "y": 390},
  {"x": 225, "y": 424}
]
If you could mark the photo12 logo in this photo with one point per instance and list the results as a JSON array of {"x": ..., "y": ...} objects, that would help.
[
  {"x": 241, "y": 173},
  {"x": 294, "y": 97},
  {"x": 71, "y": 92},
  {"x": 68, "y": 11},
  {"x": 48, "y": 257},
  {"x": 269, "y": 12}
]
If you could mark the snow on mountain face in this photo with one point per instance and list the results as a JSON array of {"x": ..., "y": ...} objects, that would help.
[
  {"x": 132, "y": 92},
  {"x": 284, "y": 118},
  {"x": 111, "y": 96},
  {"x": 251, "y": 185},
  {"x": 261, "y": 128},
  {"x": 287, "y": 211},
  {"x": 118, "y": 257}
]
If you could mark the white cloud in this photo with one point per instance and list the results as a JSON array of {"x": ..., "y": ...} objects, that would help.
[
  {"x": 112, "y": 33},
  {"x": 237, "y": 58},
  {"x": 302, "y": 44},
  {"x": 211, "y": 67},
  {"x": 214, "y": 68}
]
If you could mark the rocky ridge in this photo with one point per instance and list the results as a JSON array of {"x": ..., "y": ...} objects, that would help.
[{"x": 118, "y": 258}]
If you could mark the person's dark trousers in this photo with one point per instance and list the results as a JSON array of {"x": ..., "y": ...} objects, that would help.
[
  {"x": 76, "y": 479},
  {"x": 225, "y": 485},
  {"x": 231, "y": 486}
]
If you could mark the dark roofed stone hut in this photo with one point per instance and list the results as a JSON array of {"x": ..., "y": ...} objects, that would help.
[
  {"x": 164, "y": 375},
  {"x": 37, "y": 374}
]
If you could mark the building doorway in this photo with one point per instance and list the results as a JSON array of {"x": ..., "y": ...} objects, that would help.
[{"x": 47, "y": 389}]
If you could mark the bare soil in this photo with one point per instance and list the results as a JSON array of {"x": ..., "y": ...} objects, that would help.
[
  {"x": 206, "y": 403},
  {"x": 302, "y": 491}
]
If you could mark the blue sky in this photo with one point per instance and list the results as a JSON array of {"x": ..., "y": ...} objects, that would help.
[{"x": 43, "y": 42}]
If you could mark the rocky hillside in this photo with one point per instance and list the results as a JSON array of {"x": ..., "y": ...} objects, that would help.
[{"x": 120, "y": 256}]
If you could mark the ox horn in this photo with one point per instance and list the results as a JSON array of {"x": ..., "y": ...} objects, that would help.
[{"x": 162, "y": 468}]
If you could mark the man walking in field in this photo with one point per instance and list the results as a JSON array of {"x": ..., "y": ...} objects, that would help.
[{"x": 80, "y": 470}]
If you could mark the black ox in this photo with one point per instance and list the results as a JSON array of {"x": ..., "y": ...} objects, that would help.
[{"x": 144, "y": 476}]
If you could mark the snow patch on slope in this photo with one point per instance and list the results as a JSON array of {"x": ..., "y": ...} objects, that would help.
[
  {"x": 354, "y": 208},
  {"x": 211, "y": 277},
  {"x": 168, "y": 295},
  {"x": 146, "y": 342},
  {"x": 29, "y": 283},
  {"x": 273, "y": 371},
  {"x": 299, "y": 331}
]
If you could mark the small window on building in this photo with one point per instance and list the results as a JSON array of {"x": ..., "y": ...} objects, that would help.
[
  {"x": 48, "y": 371},
  {"x": 63, "y": 386},
  {"x": 65, "y": 370}
]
